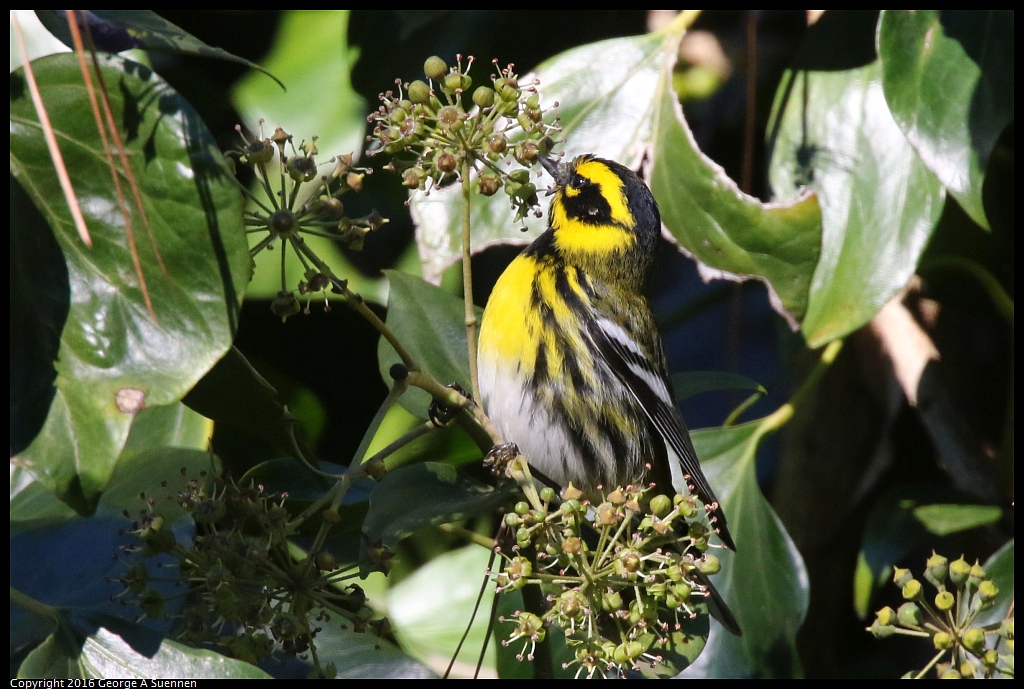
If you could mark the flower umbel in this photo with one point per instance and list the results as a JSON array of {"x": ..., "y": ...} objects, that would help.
[
  {"x": 301, "y": 200},
  {"x": 249, "y": 590},
  {"x": 445, "y": 133},
  {"x": 964, "y": 648},
  {"x": 621, "y": 584}
]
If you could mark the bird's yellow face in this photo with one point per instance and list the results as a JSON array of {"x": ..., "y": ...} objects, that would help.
[
  {"x": 590, "y": 212},
  {"x": 604, "y": 220}
]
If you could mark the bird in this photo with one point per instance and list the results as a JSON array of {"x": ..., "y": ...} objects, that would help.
[{"x": 571, "y": 365}]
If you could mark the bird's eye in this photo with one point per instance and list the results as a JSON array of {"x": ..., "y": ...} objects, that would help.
[{"x": 578, "y": 181}]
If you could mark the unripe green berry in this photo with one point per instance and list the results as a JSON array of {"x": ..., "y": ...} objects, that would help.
[
  {"x": 942, "y": 641},
  {"x": 901, "y": 576},
  {"x": 947, "y": 674},
  {"x": 570, "y": 507},
  {"x": 709, "y": 564},
  {"x": 434, "y": 67},
  {"x": 519, "y": 175},
  {"x": 936, "y": 569},
  {"x": 507, "y": 89},
  {"x": 976, "y": 576},
  {"x": 987, "y": 590},
  {"x": 419, "y": 92},
  {"x": 990, "y": 658},
  {"x": 453, "y": 82},
  {"x": 974, "y": 639},
  {"x": 886, "y": 616},
  {"x": 881, "y": 631},
  {"x": 547, "y": 494},
  {"x": 483, "y": 97},
  {"x": 611, "y": 601},
  {"x": 522, "y": 507},
  {"x": 661, "y": 505},
  {"x": 911, "y": 589},
  {"x": 945, "y": 600},
  {"x": 959, "y": 570},
  {"x": 909, "y": 615}
]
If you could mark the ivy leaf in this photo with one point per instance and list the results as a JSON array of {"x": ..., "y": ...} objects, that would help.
[
  {"x": 723, "y": 228},
  {"x": 764, "y": 582},
  {"x": 832, "y": 131},
  {"x": 413, "y": 498},
  {"x": 948, "y": 79},
  {"x": 430, "y": 324},
  {"x": 114, "y": 358}
]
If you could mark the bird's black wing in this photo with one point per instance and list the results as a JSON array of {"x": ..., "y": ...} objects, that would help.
[{"x": 649, "y": 386}]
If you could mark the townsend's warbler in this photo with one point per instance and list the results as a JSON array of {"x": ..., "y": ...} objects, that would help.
[{"x": 571, "y": 366}]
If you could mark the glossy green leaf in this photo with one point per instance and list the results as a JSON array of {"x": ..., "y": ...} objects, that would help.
[
  {"x": 432, "y": 608},
  {"x": 355, "y": 656},
  {"x": 419, "y": 496},
  {"x": 430, "y": 324},
  {"x": 764, "y": 582},
  {"x": 116, "y": 649},
  {"x": 113, "y": 355},
  {"x": 243, "y": 403},
  {"x": 832, "y": 131},
  {"x": 943, "y": 520},
  {"x": 723, "y": 228},
  {"x": 948, "y": 79},
  {"x": 605, "y": 94}
]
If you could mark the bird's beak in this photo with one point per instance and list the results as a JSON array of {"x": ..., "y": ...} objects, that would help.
[{"x": 555, "y": 169}]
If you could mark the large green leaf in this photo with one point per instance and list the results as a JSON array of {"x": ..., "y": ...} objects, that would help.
[
  {"x": 718, "y": 224},
  {"x": 764, "y": 582},
  {"x": 948, "y": 79},
  {"x": 430, "y": 324},
  {"x": 114, "y": 357},
  {"x": 833, "y": 132},
  {"x": 96, "y": 646},
  {"x": 605, "y": 94}
]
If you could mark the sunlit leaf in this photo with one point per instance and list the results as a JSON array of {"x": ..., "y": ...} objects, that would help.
[
  {"x": 832, "y": 131},
  {"x": 114, "y": 358},
  {"x": 948, "y": 79}
]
